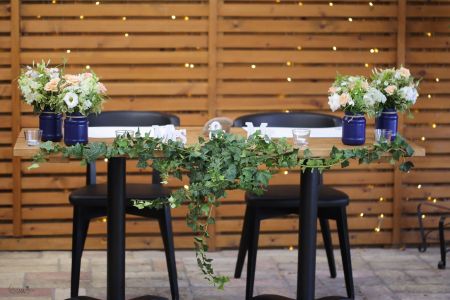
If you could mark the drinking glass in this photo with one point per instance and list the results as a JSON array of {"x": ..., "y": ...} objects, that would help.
[
  {"x": 33, "y": 136},
  {"x": 383, "y": 135},
  {"x": 301, "y": 136},
  {"x": 124, "y": 133}
]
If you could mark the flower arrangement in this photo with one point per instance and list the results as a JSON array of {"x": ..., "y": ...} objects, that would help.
[
  {"x": 81, "y": 93},
  {"x": 398, "y": 86},
  {"x": 350, "y": 93},
  {"x": 40, "y": 86},
  {"x": 48, "y": 89}
]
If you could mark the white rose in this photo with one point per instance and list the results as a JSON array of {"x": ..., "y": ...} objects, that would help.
[
  {"x": 333, "y": 102},
  {"x": 71, "y": 99},
  {"x": 409, "y": 93},
  {"x": 87, "y": 104}
]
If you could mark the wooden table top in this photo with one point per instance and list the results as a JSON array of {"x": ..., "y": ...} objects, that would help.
[{"x": 320, "y": 147}]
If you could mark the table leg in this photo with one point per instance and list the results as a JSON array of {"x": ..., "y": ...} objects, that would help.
[
  {"x": 116, "y": 229},
  {"x": 309, "y": 194}
]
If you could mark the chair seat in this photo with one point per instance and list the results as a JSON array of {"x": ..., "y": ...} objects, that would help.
[
  {"x": 95, "y": 194},
  {"x": 284, "y": 196}
]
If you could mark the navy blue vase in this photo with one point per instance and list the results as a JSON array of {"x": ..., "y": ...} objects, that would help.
[
  {"x": 388, "y": 119},
  {"x": 51, "y": 125},
  {"x": 353, "y": 129},
  {"x": 75, "y": 129}
]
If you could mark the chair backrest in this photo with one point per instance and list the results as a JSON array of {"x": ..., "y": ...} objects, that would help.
[
  {"x": 291, "y": 119},
  {"x": 128, "y": 118}
]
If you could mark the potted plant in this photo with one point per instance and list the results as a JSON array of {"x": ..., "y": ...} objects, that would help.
[
  {"x": 400, "y": 90},
  {"x": 353, "y": 95},
  {"x": 81, "y": 95},
  {"x": 40, "y": 87}
]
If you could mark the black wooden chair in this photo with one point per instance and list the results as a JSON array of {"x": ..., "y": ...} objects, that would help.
[
  {"x": 90, "y": 201},
  {"x": 283, "y": 200}
]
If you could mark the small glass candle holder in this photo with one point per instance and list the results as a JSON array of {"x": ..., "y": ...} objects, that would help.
[
  {"x": 124, "y": 133},
  {"x": 383, "y": 135},
  {"x": 32, "y": 136},
  {"x": 300, "y": 137}
]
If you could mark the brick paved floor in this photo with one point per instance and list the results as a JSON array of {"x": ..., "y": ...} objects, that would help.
[{"x": 379, "y": 274}]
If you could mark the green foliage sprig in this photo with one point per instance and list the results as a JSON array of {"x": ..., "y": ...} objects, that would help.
[{"x": 226, "y": 162}]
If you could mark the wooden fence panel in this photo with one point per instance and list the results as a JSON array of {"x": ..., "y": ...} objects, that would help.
[{"x": 200, "y": 59}]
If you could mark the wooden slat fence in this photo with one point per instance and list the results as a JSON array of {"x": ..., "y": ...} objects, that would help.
[{"x": 200, "y": 59}]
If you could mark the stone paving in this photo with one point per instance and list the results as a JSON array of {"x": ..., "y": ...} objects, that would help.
[{"x": 379, "y": 274}]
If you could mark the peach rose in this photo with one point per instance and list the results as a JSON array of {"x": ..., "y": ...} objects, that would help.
[
  {"x": 52, "y": 85},
  {"x": 344, "y": 99},
  {"x": 365, "y": 85},
  {"x": 72, "y": 79},
  {"x": 404, "y": 72},
  {"x": 390, "y": 89},
  {"x": 332, "y": 90}
]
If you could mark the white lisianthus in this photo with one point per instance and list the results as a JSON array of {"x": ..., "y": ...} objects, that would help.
[
  {"x": 71, "y": 99},
  {"x": 374, "y": 96},
  {"x": 87, "y": 104},
  {"x": 333, "y": 102},
  {"x": 409, "y": 93}
]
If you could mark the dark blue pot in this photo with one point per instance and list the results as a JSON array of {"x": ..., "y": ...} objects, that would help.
[
  {"x": 75, "y": 129},
  {"x": 353, "y": 129},
  {"x": 388, "y": 120},
  {"x": 51, "y": 125}
]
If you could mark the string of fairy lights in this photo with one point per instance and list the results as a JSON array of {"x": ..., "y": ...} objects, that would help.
[{"x": 381, "y": 216}]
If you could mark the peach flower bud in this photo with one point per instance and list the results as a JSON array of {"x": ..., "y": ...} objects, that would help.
[{"x": 390, "y": 89}]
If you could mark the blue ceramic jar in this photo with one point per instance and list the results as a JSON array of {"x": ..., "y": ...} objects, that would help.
[
  {"x": 353, "y": 129},
  {"x": 75, "y": 129},
  {"x": 51, "y": 125},
  {"x": 388, "y": 119}
]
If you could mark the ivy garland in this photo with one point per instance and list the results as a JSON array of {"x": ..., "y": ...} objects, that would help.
[{"x": 226, "y": 162}]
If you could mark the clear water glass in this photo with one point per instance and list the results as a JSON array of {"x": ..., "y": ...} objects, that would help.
[
  {"x": 33, "y": 136},
  {"x": 383, "y": 135},
  {"x": 301, "y": 136},
  {"x": 124, "y": 133}
]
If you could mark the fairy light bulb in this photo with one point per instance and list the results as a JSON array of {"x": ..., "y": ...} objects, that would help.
[
  {"x": 350, "y": 19},
  {"x": 361, "y": 214},
  {"x": 291, "y": 248},
  {"x": 381, "y": 216},
  {"x": 434, "y": 200},
  {"x": 370, "y": 3},
  {"x": 289, "y": 79},
  {"x": 334, "y": 48},
  {"x": 105, "y": 160},
  {"x": 97, "y": 3},
  {"x": 81, "y": 17},
  {"x": 423, "y": 139},
  {"x": 104, "y": 220},
  {"x": 437, "y": 79},
  {"x": 330, "y": 4},
  {"x": 126, "y": 34},
  {"x": 173, "y": 17},
  {"x": 124, "y": 18},
  {"x": 88, "y": 67},
  {"x": 186, "y": 65},
  {"x": 429, "y": 96},
  {"x": 423, "y": 216},
  {"x": 186, "y": 18},
  {"x": 288, "y": 63},
  {"x": 299, "y": 48},
  {"x": 381, "y": 199},
  {"x": 253, "y": 66},
  {"x": 366, "y": 65},
  {"x": 186, "y": 187},
  {"x": 377, "y": 229},
  {"x": 53, "y": 1},
  {"x": 286, "y": 172},
  {"x": 428, "y": 34},
  {"x": 287, "y": 111},
  {"x": 434, "y": 126},
  {"x": 419, "y": 186},
  {"x": 300, "y": 3},
  {"x": 68, "y": 51},
  {"x": 191, "y": 66},
  {"x": 372, "y": 50}
]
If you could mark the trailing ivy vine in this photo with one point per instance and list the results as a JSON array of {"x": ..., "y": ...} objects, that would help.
[{"x": 226, "y": 162}]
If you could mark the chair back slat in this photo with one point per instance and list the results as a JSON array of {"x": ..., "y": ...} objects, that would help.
[{"x": 291, "y": 119}]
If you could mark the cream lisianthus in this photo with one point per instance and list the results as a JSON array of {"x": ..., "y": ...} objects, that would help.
[
  {"x": 333, "y": 102},
  {"x": 71, "y": 99}
]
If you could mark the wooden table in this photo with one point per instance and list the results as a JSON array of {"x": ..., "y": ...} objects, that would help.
[{"x": 320, "y": 147}]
